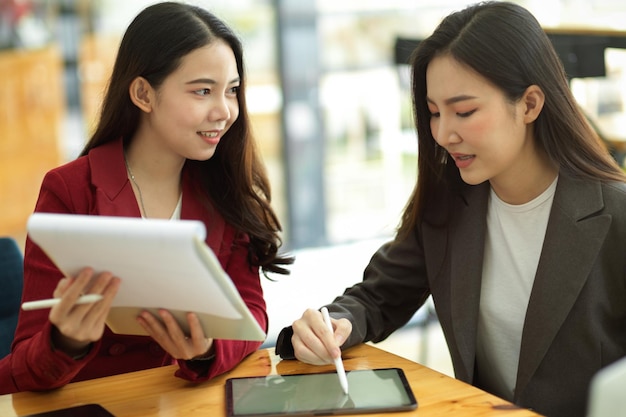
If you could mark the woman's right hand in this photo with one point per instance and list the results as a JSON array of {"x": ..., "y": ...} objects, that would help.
[
  {"x": 314, "y": 343},
  {"x": 76, "y": 326}
]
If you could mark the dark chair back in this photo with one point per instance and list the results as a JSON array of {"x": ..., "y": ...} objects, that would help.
[{"x": 11, "y": 283}]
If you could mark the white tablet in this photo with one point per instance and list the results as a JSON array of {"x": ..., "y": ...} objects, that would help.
[
  {"x": 370, "y": 391},
  {"x": 162, "y": 264}
]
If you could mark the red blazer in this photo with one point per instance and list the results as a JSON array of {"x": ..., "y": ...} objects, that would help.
[{"x": 97, "y": 184}]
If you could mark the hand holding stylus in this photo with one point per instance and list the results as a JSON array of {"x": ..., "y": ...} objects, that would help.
[
  {"x": 312, "y": 343},
  {"x": 76, "y": 324}
]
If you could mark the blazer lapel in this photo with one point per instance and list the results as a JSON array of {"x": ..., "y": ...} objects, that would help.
[
  {"x": 573, "y": 238},
  {"x": 467, "y": 248},
  {"x": 114, "y": 194}
]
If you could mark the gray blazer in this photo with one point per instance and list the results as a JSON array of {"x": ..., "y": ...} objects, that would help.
[{"x": 576, "y": 318}]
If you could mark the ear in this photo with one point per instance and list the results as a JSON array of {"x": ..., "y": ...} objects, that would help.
[
  {"x": 532, "y": 100},
  {"x": 141, "y": 94}
]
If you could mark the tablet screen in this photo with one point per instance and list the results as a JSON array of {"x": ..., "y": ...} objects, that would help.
[{"x": 376, "y": 390}]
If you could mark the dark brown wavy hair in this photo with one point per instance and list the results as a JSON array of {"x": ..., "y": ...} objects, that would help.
[
  {"x": 504, "y": 43},
  {"x": 153, "y": 47}
]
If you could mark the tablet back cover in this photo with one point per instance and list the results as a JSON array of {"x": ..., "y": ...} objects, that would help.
[{"x": 162, "y": 263}]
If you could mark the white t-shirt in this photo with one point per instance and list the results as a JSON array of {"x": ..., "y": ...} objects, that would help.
[
  {"x": 178, "y": 208},
  {"x": 515, "y": 235}
]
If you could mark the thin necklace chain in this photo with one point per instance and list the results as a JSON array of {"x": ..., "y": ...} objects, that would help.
[{"x": 132, "y": 178}]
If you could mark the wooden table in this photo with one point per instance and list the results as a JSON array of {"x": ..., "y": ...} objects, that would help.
[{"x": 156, "y": 392}]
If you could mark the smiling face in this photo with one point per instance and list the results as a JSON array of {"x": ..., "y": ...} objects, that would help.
[
  {"x": 196, "y": 104},
  {"x": 489, "y": 137}
]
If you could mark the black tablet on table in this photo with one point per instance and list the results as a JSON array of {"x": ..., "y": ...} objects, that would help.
[
  {"x": 85, "y": 410},
  {"x": 370, "y": 391}
]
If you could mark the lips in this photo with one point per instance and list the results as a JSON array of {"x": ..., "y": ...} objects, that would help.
[
  {"x": 463, "y": 160},
  {"x": 211, "y": 137}
]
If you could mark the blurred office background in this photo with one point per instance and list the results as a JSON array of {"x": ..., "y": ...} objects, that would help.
[{"x": 329, "y": 102}]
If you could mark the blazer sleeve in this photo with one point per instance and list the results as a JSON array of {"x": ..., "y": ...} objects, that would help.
[
  {"x": 33, "y": 364},
  {"x": 229, "y": 353},
  {"x": 393, "y": 288}
]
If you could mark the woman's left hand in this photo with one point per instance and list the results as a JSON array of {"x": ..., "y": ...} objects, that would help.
[{"x": 167, "y": 333}]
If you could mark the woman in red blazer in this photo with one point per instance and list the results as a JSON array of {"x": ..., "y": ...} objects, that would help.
[{"x": 173, "y": 142}]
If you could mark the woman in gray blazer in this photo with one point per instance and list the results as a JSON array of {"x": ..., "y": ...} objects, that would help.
[{"x": 516, "y": 227}]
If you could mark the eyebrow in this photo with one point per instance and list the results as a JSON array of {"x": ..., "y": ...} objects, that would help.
[
  {"x": 455, "y": 99},
  {"x": 211, "y": 81}
]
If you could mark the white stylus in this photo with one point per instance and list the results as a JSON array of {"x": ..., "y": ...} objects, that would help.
[
  {"x": 343, "y": 380},
  {"x": 51, "y": 302}
]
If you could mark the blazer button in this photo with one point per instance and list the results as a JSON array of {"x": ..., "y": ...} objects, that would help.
[{"x": 117, "y": 349}]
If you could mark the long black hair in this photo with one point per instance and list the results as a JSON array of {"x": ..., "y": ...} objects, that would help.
[
  {"x": 505, "y": 44},
  {"x": 153, "y": 47}
]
